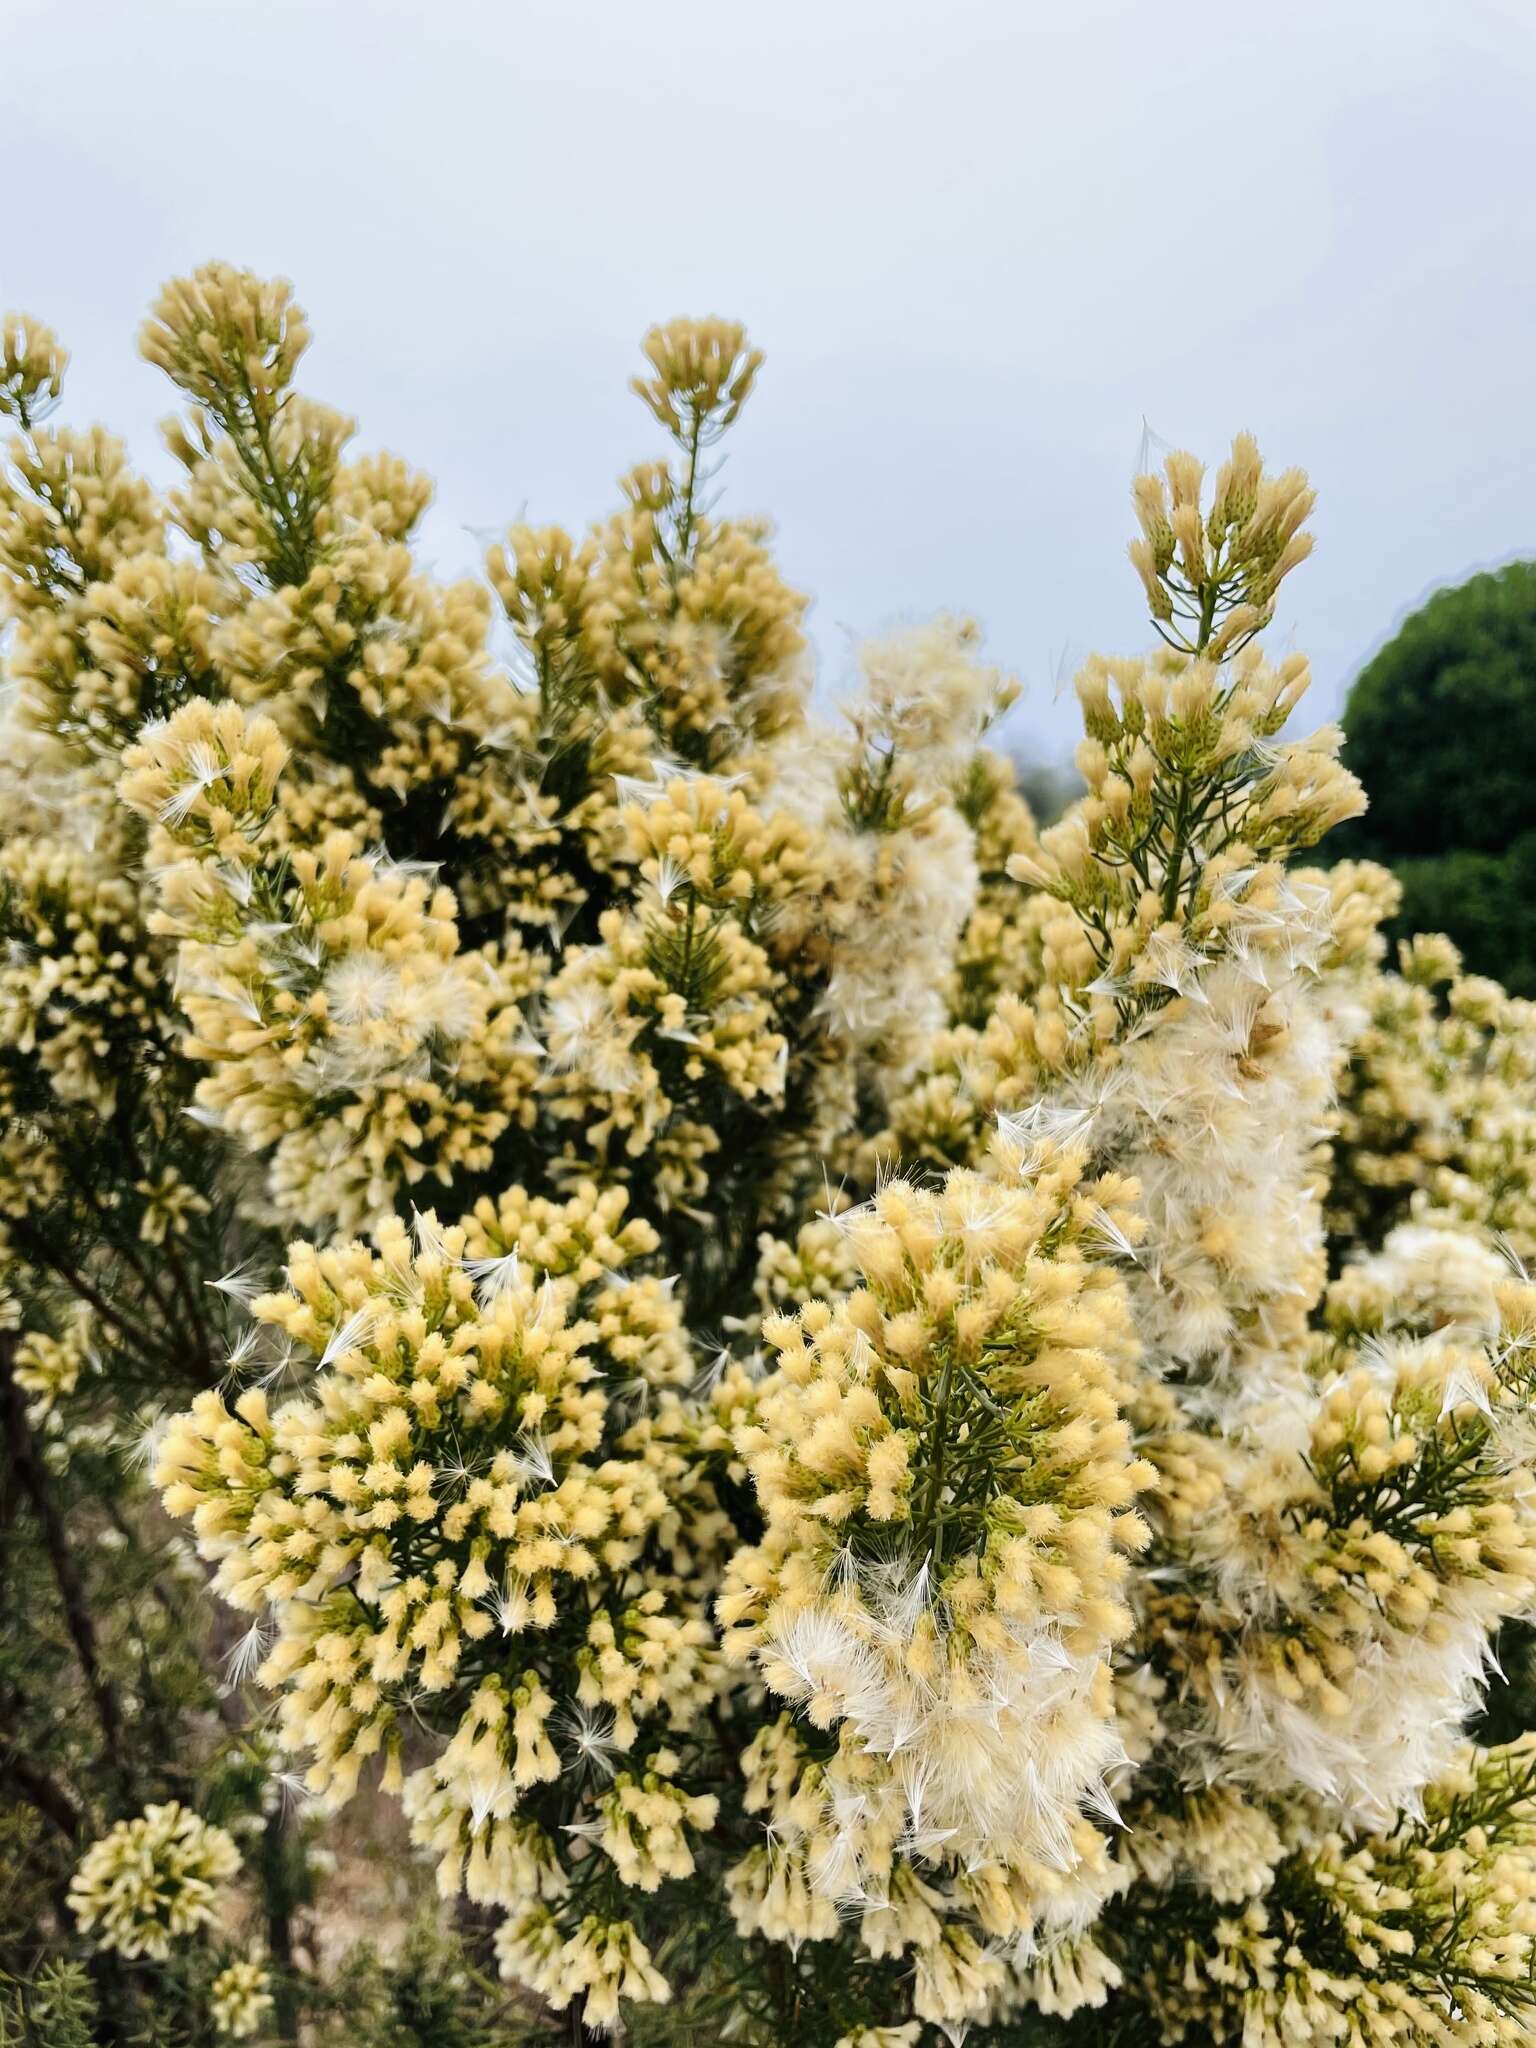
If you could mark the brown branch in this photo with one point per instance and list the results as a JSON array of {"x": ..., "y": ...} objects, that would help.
[
  {"x": 178, "y": 1272},
  {"x": 33, "y": 1477},
  {"x": 39, "y": 1790},
  {"x": 277, "y": 1882}
]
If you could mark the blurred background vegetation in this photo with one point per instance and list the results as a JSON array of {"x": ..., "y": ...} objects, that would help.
[{"x": 1441, "y": 727}]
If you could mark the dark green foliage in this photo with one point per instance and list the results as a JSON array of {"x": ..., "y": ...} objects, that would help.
[
  {"x": 56, "y": 2010},
  {"x": 429, "y": 1994},
  {"x": 1485, "y": 901},
  {"x": 1510, "y": 1708},
  {"x": 1441, "y": 727}
]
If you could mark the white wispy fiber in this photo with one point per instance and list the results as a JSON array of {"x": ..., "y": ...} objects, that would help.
[{"x": 994, "y": 1758}]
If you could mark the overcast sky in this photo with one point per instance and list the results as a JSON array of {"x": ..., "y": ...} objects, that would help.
[{"x": 982, "y": 241}]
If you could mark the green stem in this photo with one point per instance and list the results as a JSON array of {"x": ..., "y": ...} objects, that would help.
[
  {"x": 931, "y": 1515},
  {"x": 33, "y": 1477},
  {"x": 690, "y": 485},
  {"x": 1173, "y": 879}
]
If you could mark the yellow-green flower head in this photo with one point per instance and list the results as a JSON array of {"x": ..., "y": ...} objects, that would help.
[
  {"x": 450, "y": 1473},
  {"x": 948, "y": 1486},
  {"x": 702, "y": 371},
  {"x": 152, "y": 1880},
  {"x": 240, "y": 1999},
  {"x": 223, "y": 330},
  {"x": 32, "y": 365}
]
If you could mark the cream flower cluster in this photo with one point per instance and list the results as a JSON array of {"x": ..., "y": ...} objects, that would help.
[
  {"x": 604, "y": 1961},
  {"x": 71, "y": 515},
  {"x": 48, "y": 1367},
  {"x": 884, "y": 798},
  {"x": 240, "y": 2000},
  {"x": 947, "y": 1486},
  {"x": 443, "y": 1484},
  {"x": 683, "y": 986},
  {"x": 998, "y": 950},
  {"x": 1372, "y": 1569},
  {"x": 665, "y": 605},
  {"x": 32, "y": 365},
  {"x": 326, "y": 990},
  {"x": 1218, "y": 566},
  {"x": 1425, "y": 1933},
  {"x": 151, "y": 1880},
  {"x": 669, "y": 1025},
  {"x": 1160, "y": 895},
  {"x": 81, "y": 987},
  {"x": 1437, "y": 1113},
  {"x": 467, "y": 1524}
]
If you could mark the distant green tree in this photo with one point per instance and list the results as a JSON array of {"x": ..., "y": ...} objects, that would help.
[{"x": 1441, "y": 727}]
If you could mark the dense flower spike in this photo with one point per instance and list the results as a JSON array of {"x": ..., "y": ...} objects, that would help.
[
  {"x": 326, "y": 989},
  {"x": 947, "y": 1486},
  {"x": 884, "y": 1423},
  {"x": 444, "y": 1483},
  {"x": 1211, "y": 575},
  {"x": 32, "y": 366},
  {"x": 703, "y": 371},
  {"x": 1438, "y": 1106}
]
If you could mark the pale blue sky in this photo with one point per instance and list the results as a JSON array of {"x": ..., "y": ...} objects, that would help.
[{"x": 980, "y": 242}]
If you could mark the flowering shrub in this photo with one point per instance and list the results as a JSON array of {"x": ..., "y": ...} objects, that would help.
[{"x": 806, "y": 1412}]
